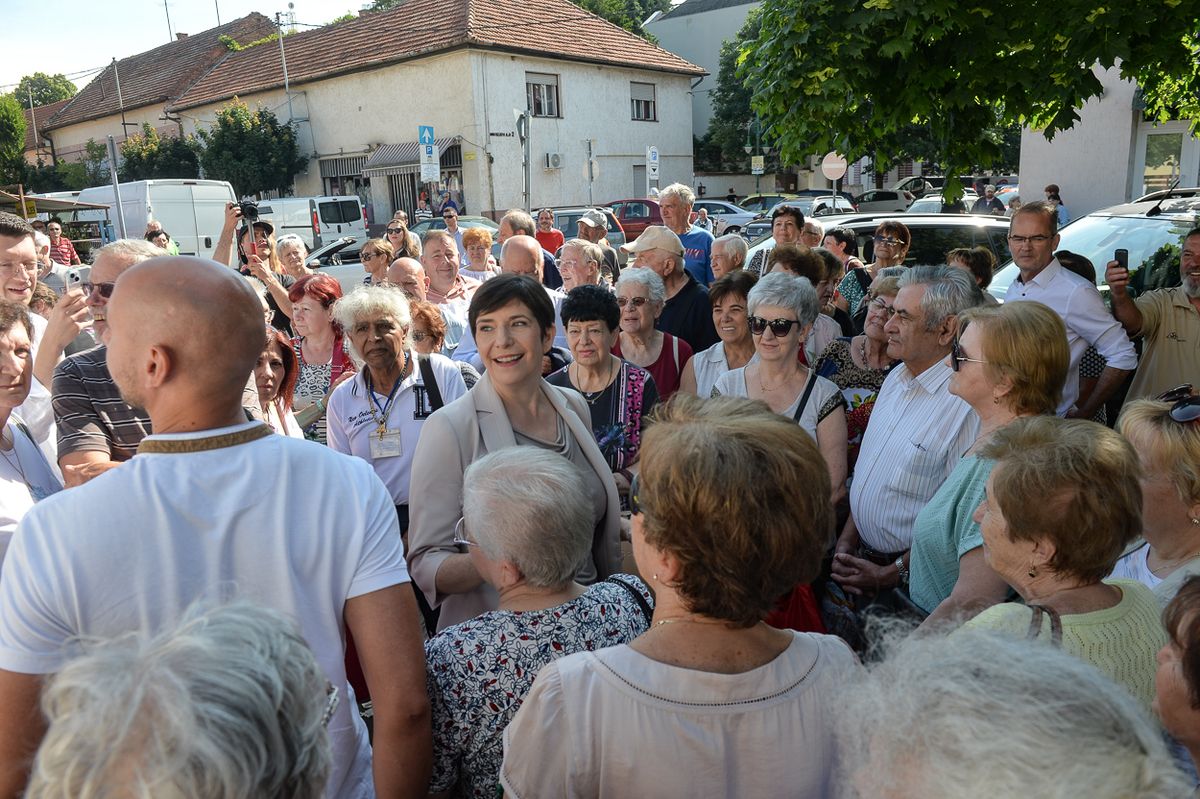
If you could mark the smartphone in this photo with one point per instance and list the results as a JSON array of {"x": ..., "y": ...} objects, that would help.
[
  {"x": 1122, "y": 258},
  {"x": 77, "y": 276}
]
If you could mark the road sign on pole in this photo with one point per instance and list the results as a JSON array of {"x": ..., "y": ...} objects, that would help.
[
  {"x": 430, "y": 157},
  {"x": 833, "y": 166},
  {"x": 425, "y": 134},
  {"x": 652, "y": 162}
]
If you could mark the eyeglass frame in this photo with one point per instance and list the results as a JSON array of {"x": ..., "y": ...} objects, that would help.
[
  {"x": 369, "y": 256},
  {"x": 891, "y": 241},
  {"x": 758, "y": 321},
  {"x": 460, "y": 530},
  {"x": 957, "y": 358},
  {"x": 635, "y": 508},
  {"x": 106, "y": 288},
  {"x": 331, "y": 703},
  {"x": 636, "y": 302},
  {"x": 1038, "y": 238},
  {"x": 12, "y": 269},
  {"x": 1176, "y": 394}
]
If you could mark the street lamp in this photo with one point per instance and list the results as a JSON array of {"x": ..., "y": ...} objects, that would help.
[{"x": 757, "y": 150}]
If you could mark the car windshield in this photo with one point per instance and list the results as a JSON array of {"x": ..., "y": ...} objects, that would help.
[{"x": 1154, "y": 244}]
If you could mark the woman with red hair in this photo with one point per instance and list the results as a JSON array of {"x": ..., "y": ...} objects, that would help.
[{"x": 319, "y": 349}]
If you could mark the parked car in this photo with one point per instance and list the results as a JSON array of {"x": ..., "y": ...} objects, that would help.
[
  {"x": 932, "y": 203},
  {"x": 726, "y": 217},
  {"x": 437, "y": 223},
  {"x": 1153, "y": 242},
  {"x": 316, "y": 220},
  {"x": 763, "y": 203},
  {"x": 933, "y": 235},
  {"x": 1180, "y": 192},
  {"x": 339, "y": 260},
  {"x": 883, "y": 200},
  {"x": 635, "y": 215},
  {"x": 567, "y": 220}
]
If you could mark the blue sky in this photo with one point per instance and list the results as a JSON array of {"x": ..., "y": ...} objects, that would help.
[{"x": 82, "y": 36}]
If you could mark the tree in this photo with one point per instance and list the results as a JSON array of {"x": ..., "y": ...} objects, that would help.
[
  {"x": 146, "y": 155},
  {"x": 722, "y": 147},
  {"x": 627, "y": 14},
  {"x": 854, "y": 76},
  {"x": 12, "y": 141},
  {"x": 251, "y": 149},
  {"x": 45, "y": 89}
]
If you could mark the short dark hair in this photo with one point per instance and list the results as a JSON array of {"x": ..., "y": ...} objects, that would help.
[
  {"x": 503, "y": 289},
  {"x": 589, "y": 304},
  {"x": 1041, "y": 208},
  {"x": 783, "y": 209},
  {"x": 800, "y": 260},
  {"x": 11, "y": 313},
  {"x": 895, "y": 228},
  {"x": 979, "y": 260},
  {"x": 14, "y": 226},
  {"x": 833, "y": 264},
  {"x": 738, "y": 282},
  {"x": 1193, "y": 232},
  {"x": 845, "y": 236},
  {"x": 1183, "y": 626},
  {"x": 1077, "y": 263}
]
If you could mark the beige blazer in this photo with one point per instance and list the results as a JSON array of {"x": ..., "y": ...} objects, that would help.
[{"x": 451, "y": 439}]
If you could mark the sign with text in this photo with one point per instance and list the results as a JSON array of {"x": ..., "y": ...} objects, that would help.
[
  {"x": 430, "y": 156},
  {"x": 757, "y": 164},
  {"x": 652, "y": 162}
]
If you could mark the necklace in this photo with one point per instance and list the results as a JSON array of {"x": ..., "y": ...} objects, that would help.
[
  {"x": 780, "y": 385},
  {"x": 862, "y": 348},
  {"x": 692, "y": 619},
  {"x": 13, "y": 449},
  {"x": 591, "y": 397},
  {"x": 1172, "y": 564}
]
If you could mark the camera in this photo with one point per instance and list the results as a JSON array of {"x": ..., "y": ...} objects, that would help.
[{"x": 249, "y": 210}]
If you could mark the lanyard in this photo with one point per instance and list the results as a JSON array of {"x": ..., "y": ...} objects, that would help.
[{"x": 391, "y": 397}]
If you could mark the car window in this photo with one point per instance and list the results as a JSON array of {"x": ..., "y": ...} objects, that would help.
[
  {"x": 636, "y": 210},
  {"x": 613, "y": 225},
  {"x": 617, "y": 208},
  {"x": 339, "y": 212},
  {"x": 566, "y": 222},
  {"x": 999, "y": 240}
]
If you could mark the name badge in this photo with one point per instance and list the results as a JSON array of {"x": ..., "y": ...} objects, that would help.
[{"x": 386, "y": 444}]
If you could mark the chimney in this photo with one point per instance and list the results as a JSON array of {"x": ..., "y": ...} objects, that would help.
[{"x": 180, "y": 36}]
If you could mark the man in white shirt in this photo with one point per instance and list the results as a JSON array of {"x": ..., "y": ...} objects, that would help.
[
  {"x": 214, "y": 507},
  {"x": 917, "y": 432},
  {"x": 1033, "y": 238},
  {"x": 409, "y": 275}
]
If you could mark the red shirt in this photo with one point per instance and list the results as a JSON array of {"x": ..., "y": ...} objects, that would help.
[
  {"x": 550, "y": 240},
  {"x": 667, "y": 370},
  {"x": 63, "y": 252}
]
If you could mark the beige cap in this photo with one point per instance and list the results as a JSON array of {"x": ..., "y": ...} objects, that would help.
[
  {"x": 655, "y": 237},
  {"x": 594, "y": 218}
]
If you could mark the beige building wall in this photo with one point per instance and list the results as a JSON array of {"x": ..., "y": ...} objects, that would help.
[{"x": 69, "y": 141}]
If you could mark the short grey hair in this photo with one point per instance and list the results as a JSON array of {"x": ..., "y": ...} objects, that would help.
[
  {"x": 681, "y": 192},
  {"x": 289, "y": 240},
  {"x": 735, "y": 247},
  {"x": 816, "y": 223},
  {"x": 528, "y": 506},
  {"x": 372, "y": 302},
  {"x": 519, "y": 221},
  {"x": 40, "y": 240},
  {"x": 892, "y": 271},
  {"x": 133, "y": 251},
  {"x": 227, "y": 704},
  {"x": 943, "y": 712},
  {"x": 590, "y": 251},
  {"x": 948, "y": 292},
  {"x": 787, "y": 291},
  {"x": 646, "y": 278}
]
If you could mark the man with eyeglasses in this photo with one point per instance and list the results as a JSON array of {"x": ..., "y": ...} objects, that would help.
[
  {"x": 1167, "y": 320},
  {"x": 1033, "y": 238}
]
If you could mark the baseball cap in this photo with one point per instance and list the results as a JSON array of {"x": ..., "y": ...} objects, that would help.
[
  {"x": 594, "y": 218},
  {"x": 259, "y": 223},
  {"x": 655, "y": 237}
]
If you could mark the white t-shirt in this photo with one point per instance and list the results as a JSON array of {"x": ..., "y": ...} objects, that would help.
[
  {"x": 733, "y": 384},
  {"x": 350, "y": 423},
  {"x": 283, "y": 422},
  {"x": 290, "y": 524},
  {"x": 25, "y": 478},
  {"x": 616, "y": 723},
  {"x": 36, "y": 411}
]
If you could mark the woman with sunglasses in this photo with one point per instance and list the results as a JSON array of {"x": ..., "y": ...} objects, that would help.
[
  {"x": 1008, "y": 362},
  {"x": 730, "y": 511},
  {"x": 404, "y": 243},
  {"x": 891, "y": 243},
  {"x": 376, "y": 257},
  {"x": 1166, "y": 436},
  {"x": 641, "y": 295},
  {"x": 782, "y": 310}
]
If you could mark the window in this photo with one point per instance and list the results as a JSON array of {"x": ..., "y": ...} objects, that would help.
[
  {"x": 641, "y": 97},
  {"x": 541, "y": 92}
]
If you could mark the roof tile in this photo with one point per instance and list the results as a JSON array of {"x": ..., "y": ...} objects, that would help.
[{"x": 41, "y": 114}]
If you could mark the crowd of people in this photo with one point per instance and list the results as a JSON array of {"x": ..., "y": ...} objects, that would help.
[{"x": 546, "y": 517}]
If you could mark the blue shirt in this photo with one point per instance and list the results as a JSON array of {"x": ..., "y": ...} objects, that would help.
[{"x": 697, "y": 254}]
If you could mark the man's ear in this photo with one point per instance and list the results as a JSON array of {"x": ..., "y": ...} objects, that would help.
[
  {"x": 159, "y": 367},
  {"x": 947, "y": 331}
]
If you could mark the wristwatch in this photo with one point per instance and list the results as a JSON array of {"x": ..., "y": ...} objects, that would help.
[{"x": 902, "y": 569}]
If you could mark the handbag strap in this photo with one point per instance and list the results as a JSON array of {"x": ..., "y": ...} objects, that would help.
[
  {"x": 1035, "y": 624},
  {"x": 637, "y": 597},
  {"x": 808, "y": 389},
  {"x": 431, "y": 386},
  {"x": 864, "y": 278}
]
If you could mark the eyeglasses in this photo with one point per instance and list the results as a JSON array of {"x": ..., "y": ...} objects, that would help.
[
  {"x": 449, "y": 216},
  {"x": 418, "y": 335},
  {"x": 460, "y": 534},
  {"x": 105, "y": 289},
  {"x": 369, "y": 256},
  {"x": 779, "y": 327},
  {"x": 29, "y": 268},
  {"x": 1038, "y": 239},
  {"x": 636, "y": 302},
  {"x": 880, "y": 305},
  {"x": 331, "y": 703},
  {"x": 956, "y": 356},
  {"x": 1186, "y": 410},
  {"x": 890, "y": 241},
  {"x": 1176, "y": 394},
  {"x": 634, "y": 485},
  {"x": 395, "y": 231}
]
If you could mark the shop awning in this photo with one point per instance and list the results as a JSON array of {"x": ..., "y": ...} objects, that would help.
[
  {"x": 401, "y": 159},
  {"x": 36, "y": 205}
]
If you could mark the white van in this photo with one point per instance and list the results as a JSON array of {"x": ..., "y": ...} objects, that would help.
[
  {"x": 192, "y": 212},
  {"x": 316, "y": 220}
]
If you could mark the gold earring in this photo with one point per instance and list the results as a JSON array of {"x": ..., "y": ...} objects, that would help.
[{"x": 1033, "y": 571}]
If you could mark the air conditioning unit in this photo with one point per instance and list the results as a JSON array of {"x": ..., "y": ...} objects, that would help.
[{"x": 554, "y": 161}]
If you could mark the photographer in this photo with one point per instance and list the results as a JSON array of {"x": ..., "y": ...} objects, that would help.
[{"x": 260, "y": 260}]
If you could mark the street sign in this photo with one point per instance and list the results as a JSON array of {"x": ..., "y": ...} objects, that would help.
[
  {"x": 430, "y": 172},
  {"x": 430, "y": 156},
  {"x": 757, "y": 164},
  {"x": 425, "y": 134},
  {"x": 652, "y": 162},
  {"x": 833, "y": 166}
]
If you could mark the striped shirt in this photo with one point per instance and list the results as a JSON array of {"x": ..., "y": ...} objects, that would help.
[
  {"x": 917, "y": 433},
  {"x": 63, "y": 252},
  {"x": 89, "y": 410}
]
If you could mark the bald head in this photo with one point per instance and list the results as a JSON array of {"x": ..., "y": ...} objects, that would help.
[
  {"x": 409, "y": 275},
  {"x": 184, "y": 334},
  {"x": 521, "y": 255}
]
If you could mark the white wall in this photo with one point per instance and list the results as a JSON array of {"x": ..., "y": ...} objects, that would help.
[
  {"x": 1092, "y": 162},
  {"x": 698, "y": 38},
  {"x": 69, "y": 141}
]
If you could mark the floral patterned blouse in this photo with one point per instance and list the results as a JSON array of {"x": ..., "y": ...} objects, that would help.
[
  {"x": 617, "y": 411},
  {"x": 859, "y": 388},
  {"x": 479, "y": 672}
]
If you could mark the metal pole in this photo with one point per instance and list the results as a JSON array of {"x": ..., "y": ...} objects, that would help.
[
  {"x": 591, "y": 177},
  {"x": 116, "y": 184},
  {"x": 528, "y": 135},
  {"x": 286, "y": 89},
  {"x": 170, "y": 33},
  {"x": 758, "y": 149},
  {"x": 120, "y": 102},
  {"x": 37, "y": 143},
  {"x": 217, "y": 4}
]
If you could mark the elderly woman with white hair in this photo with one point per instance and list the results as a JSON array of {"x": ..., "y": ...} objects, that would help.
[
  {"x": 229, "y": 704},
  {"x": 292, "y": 251},
  {"x": 378, "y": 415},
  {"x": 782, "y": 309},
  {"x": 728, "y": 255},
  {"x": 641, "y": 295},
  {"x": 527, "y": 524},
  {"x": 983, "y": 715}
]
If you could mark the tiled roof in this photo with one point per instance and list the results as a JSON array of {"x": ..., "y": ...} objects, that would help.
[
  {"x": 41, "y": 114},
  {"x": 158, "y": 75},
  {"x": 549, "y": 28}
]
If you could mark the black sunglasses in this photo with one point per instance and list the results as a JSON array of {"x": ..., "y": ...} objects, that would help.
[
  {"x": 1176, "y": 394},
  {"x": 392, "y": 231},
  {"x": 634, "y": 485},
  {"x": 106, "y": 289},
  {"x": 779, "y": 327},
  {"x": 956, "y": 356}
]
